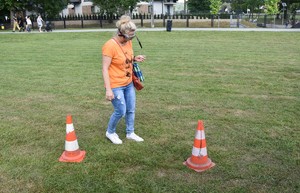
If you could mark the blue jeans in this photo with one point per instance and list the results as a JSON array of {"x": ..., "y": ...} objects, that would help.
[{"x": 124, "y": 105}]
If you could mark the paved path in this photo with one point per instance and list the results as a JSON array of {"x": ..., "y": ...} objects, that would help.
[{"x": 173, "y": 29}]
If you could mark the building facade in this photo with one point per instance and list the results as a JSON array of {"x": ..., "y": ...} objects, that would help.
[
  {"x": 86, "y": 7},
  {"x": 165, "y": 7},
  {"x": 80, "y": 7}
]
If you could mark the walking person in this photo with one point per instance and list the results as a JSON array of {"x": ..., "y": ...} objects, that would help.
[
  {"x": 40, "y": 23},
  {"x": 28, "y": 24},
  {"x": 117, "y": 58},
  {"x": 21, "y": 23},
  {"x": 16, "y": 25}
]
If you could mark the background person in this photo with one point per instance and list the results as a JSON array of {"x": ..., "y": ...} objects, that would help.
[
  {"x": 16, "y": 25},
  {"x": 40, "y": 23},
  {"x": 21, "y": 23},
  {"x": 117, "y": 58},
  {"x": 28, "y": 24}
]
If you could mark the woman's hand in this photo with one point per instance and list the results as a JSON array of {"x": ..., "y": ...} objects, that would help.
[
  {"x": 109, "y": 95},
  {"x": 139, "y": 58}
]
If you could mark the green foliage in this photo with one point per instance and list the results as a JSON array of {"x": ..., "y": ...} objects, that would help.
[
  {"x": 294, "y": 7},
  {"x": 49, "y": 8},
  {"x": 196, "y": 6},
  {"x": 254, "y": 5},
  {"x": 238, "y": 5},
  {"x": 272, "y": 7},
  {"x": 13, "y": 5},
  {"x": 215, "y": 6},
  {"x": 115, "y": 6},
  {"x": 243, "y": 5}
]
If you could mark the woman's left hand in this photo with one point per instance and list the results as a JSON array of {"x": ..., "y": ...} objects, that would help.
[{"x": 140, "y": 58}]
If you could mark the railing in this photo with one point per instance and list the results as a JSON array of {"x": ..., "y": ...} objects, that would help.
[
  {"x": 179, "y": 20},
  {"x": 268, "y": 21},
  {"x": 142, "y": 20}
]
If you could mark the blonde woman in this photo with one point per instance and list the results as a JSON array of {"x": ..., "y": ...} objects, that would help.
[{"x": 117, "y": 58}]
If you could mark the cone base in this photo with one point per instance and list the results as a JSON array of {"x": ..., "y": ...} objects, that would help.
[
  {"x": 199, "y": 167},
  {"x": 78, "y": 158}
]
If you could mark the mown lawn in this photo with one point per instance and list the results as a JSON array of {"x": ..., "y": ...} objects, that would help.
[{"x": 245, "y": 86}]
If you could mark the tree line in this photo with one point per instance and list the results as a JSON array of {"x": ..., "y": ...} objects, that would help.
[{"x": 52, "y": 8}]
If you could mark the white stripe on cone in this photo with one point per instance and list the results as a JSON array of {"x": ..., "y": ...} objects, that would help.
[
  {"x": 71, "y": 145},
  {"x": 69, "y": 128},
  {"x": 200, "y": 134},
  {"x": 199, "y": 151}
]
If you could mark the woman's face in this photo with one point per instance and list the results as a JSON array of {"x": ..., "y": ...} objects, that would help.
[{"x": 129, "y": 36}]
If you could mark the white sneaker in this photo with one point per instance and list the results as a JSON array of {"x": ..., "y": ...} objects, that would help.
[
  {"x": 114, "y": 138},
  {"x": 134, "y": 137}
]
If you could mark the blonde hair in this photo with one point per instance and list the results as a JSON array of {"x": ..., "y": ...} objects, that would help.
[{"x": 125, "y": 24}]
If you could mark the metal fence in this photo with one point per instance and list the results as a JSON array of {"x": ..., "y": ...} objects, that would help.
[
  {"x": 160, "y": 20},
  {"x": 271, "y": 21}
]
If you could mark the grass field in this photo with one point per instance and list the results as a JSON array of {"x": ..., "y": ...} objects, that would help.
[{"x": 245, "y": 86}]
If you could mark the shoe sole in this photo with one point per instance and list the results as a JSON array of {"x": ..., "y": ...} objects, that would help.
[{"x": 135, "y": 140}]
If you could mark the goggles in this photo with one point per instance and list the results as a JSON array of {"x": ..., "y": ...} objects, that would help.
[{"x": 128, "y": 37}]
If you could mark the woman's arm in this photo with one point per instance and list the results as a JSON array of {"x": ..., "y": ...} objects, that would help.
[{"x": 106, "y": 61}]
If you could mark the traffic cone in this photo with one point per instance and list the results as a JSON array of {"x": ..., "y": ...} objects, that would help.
[
  {"x": 199, "y": 160},
  {"x": 72, "y": 152}
]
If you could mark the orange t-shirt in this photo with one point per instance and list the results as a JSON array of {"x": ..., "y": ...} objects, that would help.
[{"x": 118, "y": 68}]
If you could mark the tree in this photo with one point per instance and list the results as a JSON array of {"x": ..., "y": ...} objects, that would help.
[
  {"x": 215, "y": 6},
  {"x": 271, "y": 7},
  {"x": 49, "y": 8},
  {"x": 196, "y": 6},
  {"x": 111, "y": 7},
  {"x": 254, "y": 4},
  {"x": 293, "y": 8},
  {"x": 239, "y": 6},
  {"x": 13, "y": 5},
  {"x": 242, "y": 5}
]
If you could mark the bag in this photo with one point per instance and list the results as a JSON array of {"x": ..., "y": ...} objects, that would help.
[
  {"x": 137, "y": 71},
  {"x": 136, "y": 82},
  {"x": 137, "y": 76}
]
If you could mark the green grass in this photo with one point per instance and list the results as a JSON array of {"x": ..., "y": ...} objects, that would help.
[{"x": 245, "y": 86}]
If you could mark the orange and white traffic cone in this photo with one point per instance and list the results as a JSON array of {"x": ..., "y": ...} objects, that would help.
[
  {"x": 72, "y": 152},
  {"x": 199, "y": 160}
]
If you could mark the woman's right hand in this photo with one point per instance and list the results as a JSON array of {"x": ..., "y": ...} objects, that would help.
[{"x": 109, "y": 95}]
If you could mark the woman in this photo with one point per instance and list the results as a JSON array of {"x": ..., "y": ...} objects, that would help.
[
  {"x": 40, "y": 22},
  {"x": 28, "y": 24},
  {"x": 16, "y": 25},
  {"x": 117, "y": 58}
]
